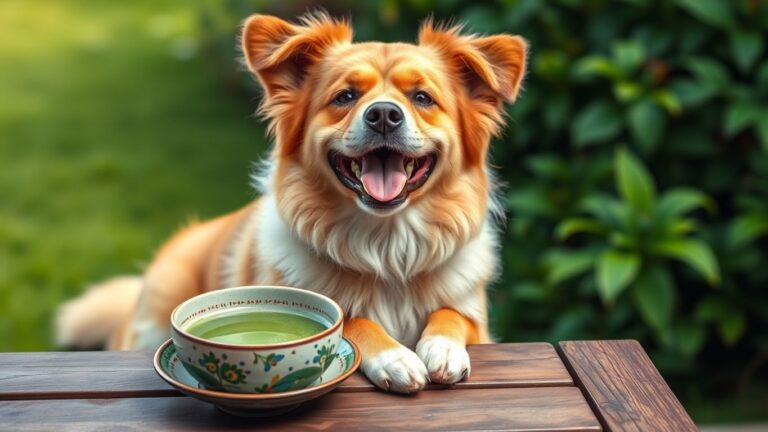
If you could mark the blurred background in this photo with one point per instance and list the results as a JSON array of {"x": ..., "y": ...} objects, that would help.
[{"x": 636, "y": 164}]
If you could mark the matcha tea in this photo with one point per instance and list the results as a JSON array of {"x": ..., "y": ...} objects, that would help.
[{"x": 255, "y": 327}]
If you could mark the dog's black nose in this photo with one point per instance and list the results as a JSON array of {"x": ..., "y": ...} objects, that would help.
[{"x": 383, "y": 117}]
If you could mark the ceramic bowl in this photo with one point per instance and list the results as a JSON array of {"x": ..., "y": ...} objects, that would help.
[
  {"x": 242, "y": 368},
  {"x": 170, "y": 368}
]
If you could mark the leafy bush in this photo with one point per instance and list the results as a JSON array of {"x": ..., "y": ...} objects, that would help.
[{"x": 664, "y": 103}]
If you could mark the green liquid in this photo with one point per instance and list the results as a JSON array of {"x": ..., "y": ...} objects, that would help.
[{"x": 255, "y": 327}]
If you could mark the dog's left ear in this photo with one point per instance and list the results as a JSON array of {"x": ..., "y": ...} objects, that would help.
[
  {"x": 279, "y": 53},
  {"x": 489, "y": 65},
  {"x": 490, "y": 69}
]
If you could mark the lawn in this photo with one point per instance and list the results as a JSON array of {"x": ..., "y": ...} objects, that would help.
[{"x": 114, "y": 130}]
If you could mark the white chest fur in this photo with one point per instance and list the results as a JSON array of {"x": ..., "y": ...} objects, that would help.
[{"x": 389, "y": 282}]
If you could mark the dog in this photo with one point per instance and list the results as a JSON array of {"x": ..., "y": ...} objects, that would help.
[{"x": 377, "y": 193}]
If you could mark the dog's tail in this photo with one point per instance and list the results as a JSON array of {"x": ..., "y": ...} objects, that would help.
[{"x": 89, "y": 320}]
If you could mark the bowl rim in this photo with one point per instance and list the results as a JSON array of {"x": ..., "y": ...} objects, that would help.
[
  {"x": 259, "y": 347},
  {"x": 251, "y": 396}
]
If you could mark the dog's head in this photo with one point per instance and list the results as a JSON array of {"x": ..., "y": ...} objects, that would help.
[{"x": 381, "y": 127}]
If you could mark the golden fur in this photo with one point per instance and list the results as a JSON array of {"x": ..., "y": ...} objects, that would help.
[{"x": 411, "y": 277}]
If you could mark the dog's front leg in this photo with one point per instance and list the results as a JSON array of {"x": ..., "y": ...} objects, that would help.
[
  {"x": 386, "y": 362},
  {"x": 443, "y": 343}
]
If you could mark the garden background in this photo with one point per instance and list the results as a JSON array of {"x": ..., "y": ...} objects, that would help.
[{"x": 636, "y": 164}]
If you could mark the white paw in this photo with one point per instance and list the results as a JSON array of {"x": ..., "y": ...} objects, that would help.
[
  {"x": 447, "y": 361},
  {"x": 396, "y": 369}
]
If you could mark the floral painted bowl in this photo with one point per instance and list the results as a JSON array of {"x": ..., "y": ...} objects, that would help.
[
  {"x": 241, "y": 368},
  {"x": 342, "y": 366}
]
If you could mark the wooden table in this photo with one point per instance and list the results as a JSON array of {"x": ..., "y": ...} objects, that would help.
[{"x": 583, "y": 386}]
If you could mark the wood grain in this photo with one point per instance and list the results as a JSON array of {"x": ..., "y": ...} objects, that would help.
[
  {"x": 623, "y": 386},
  {"x": 500, "y": 365},
  {"x": 128, "y": 374},
  {"x": 101, "y": 374},
  {"x": 511, "y": 409}
]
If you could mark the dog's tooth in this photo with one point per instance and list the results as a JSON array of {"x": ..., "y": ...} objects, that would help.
[
  {"x": 355, "y": 168},
  {"x": 409, "y": 167}
]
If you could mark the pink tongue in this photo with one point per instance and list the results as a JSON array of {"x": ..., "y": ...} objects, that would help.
[{"x": 383, "y": 178}]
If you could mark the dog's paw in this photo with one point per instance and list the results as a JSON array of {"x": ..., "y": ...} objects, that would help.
[
  {"x": 396, "y": 369},
  {"x": 447, "y": 361}
]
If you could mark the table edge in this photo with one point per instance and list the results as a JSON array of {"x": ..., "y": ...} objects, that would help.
[{"x": 605, "y": 412}]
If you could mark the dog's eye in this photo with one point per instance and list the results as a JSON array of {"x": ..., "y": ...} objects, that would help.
[
  {"x": 423, "y": 98},
  {"x": 344, "y": 97}
]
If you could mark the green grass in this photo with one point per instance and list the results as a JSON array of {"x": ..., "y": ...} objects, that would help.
[{"x": 113, "y": 131}]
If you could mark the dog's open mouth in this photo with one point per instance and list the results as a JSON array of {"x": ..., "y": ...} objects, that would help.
[{"x": 382, "y": 178}]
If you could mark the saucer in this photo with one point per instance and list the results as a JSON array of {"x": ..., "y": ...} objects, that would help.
[{"x": 170, "y": 369}]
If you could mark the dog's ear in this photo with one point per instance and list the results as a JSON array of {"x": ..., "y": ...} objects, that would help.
[
  {"x": 488, "y": 66},
  {"x": 491, "y": 71},
  {"x": 279, "y": 53}
]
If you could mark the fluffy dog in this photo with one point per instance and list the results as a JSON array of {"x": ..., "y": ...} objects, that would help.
[{"x": 377, "y": 193}]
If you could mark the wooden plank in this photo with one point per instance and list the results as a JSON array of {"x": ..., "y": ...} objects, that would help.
[
  {"x": 500, "y": 365},
  {"x": 102, "y": 374},
  {"x": 83, "y": 375},
  {"x": 623, "y": 386},
  {"x": 510, "y": 409}
]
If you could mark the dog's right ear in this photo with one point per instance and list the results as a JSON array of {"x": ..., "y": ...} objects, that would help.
[{"x": 280, "y": 53}]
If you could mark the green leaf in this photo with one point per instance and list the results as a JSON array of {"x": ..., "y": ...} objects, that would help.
[
  {"x": 552, "y": 65},
  {"x": 739, "y": 116},
  {"x": 709, "y": 72},
  {"x": 716, "y": 13},
  {"x": 531, "y": 201},
  {"x": 621, "y": 240},
  {"x": 597, "y": 123},
  {"x": 677, "y": 227},
  {"x": 731, "y": 322},
  {"x": 615, "y": 271},
  {"x": 547, "y": 166},
  {"x": 732, "y": 328},
  {"x": 654, "y": 296},
  {"x": 679, "y": 201},
  {"x": 692, "y": 93},
  {"x": 607, "y": 210},
  {"x": 573, "y": 226},
  {"x": 596, "y": 66},
  {"x": 746, "y": 47},
  {"x": 573, "y": 323},
  {"x": 711, "y": 308},
  {"x": 564, "y": 264},
  {"x": 668, "y": 100},
  {"x": 690, "y": 337},
  {"x": 627, "y": 91},
  {"x": 695, "y": 253},
  {"x": 634, "y": 182},
  {"x": 299, "y": 378},
  {"x": 744, "y": 229},
  {"x": 529, "y": 291},
  {"x": 646, "y": 123},
  {"x": 628, "y": 55},
  {"x": 519, "y": 226}
]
